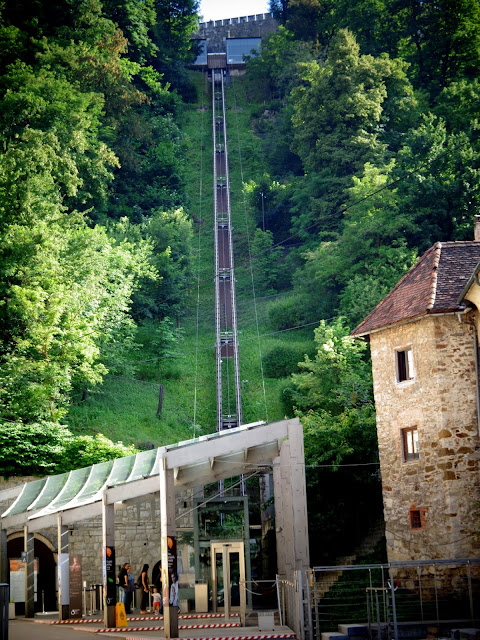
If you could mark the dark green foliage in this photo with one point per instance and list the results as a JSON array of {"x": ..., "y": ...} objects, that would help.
[
  {"x": 282, "y": 360},
  {"x": 31, "y": 449},
  {"x": 332, "y": 395},
  {"x": 40, "y": 448},
  {"x": 285, "y": 313},
  {"x": 88, "y": 129}
]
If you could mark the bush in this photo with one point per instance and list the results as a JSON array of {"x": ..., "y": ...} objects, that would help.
[
  {"x": 82, "y": 451},
  {"x": 43, "y": 448},
  {"x": 282, "y": 360},
  {"x": 286, "y": 313},
  {"x": 31, "y": 449}
]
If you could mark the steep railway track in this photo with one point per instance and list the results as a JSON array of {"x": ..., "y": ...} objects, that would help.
[{"x": 229, "y": 401}]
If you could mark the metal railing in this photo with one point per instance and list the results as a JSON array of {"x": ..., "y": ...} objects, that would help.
[{"x": 393, "y": 600}]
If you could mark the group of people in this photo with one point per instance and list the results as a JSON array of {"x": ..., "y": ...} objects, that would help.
[{"x": 127, "y": 588}]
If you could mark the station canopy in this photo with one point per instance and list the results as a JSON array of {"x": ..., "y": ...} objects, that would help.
[{"x": 79, "y": 494}]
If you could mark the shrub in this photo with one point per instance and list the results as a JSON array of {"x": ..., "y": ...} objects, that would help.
[
  {"x": 282, "y": 360},
  {"x": 83, "y": 451},
  {"x": 286, "y": 313},
  {"x": 31, "y": 449},
  {"x": 43, "y": 448}
]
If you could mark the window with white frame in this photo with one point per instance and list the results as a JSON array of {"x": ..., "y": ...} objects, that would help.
[
  {"x": 404, "y": 364},
  {"x": 410, "y": 443}
]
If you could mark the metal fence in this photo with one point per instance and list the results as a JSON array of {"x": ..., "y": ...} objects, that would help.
[{"x": 393, "y": 601}]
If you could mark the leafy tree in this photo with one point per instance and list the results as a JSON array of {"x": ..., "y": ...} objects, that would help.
[
  {"x": 171, "y": 236},
  {"x": 176, "y": 21},
  {"x": 338, "y": 377},
  {"x": 440, "y": 40},
  {"x": 305, "y": 18},
  {"x": 135, "y": 19},
  {"x": 337, "y": 114},
  {"x": 334, "y": 400},
  {"x": 66, "y": 292},
  {"x": 279, "y": 8},
  {"x": 339, "y": 119},
  {"x": 276, "y": 69},
  {"x": 266, "y": 263}
]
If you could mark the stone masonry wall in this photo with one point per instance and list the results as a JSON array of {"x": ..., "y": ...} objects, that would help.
[
  {"x": 216, "y": 31},
  {"x": 443, "y": 484},
  {"x": 137, "y": 538}
]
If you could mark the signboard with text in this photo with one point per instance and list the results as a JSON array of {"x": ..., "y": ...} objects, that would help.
[
  {"x": 75, "y": 585},
  {"x": 17, "y": 579},
  {"x": 110, "y": 577}
]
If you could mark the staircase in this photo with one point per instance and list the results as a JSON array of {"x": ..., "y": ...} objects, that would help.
[{"x": 329, "y": 578}]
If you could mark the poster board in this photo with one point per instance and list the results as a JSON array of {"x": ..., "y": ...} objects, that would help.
[{"x": 17, "y": 579}]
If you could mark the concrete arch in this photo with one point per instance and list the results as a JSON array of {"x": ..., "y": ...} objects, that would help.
[
  {"x": 46, "y": 554},
  {"x": 37, "y": 536}
]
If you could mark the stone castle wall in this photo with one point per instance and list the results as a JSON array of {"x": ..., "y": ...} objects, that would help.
[
  {"x": 443, "y": 484},
  {"x": 216, "y": 31}
]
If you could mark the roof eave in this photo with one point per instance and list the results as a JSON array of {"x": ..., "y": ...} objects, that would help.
[{"x": 427, "y": 312}]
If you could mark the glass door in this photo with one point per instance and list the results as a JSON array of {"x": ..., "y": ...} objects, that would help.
[{"x": 228, "y": 576}]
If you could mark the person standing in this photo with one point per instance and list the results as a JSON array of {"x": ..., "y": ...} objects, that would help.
[
  {"x": 130, "y": 589},
  {"x": 144, "y": 584},
  {"x": 157, "y": 581},
  {"x": 123, "y": 583}
]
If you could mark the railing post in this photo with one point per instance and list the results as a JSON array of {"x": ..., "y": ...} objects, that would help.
[
  {"x": 394, "y": 606},
  {"x": 309, "y": 604},
  {"x": 280, "y": 613},
  {"x": 317, "y": 613},
  {"x": 300, "y": 611}
]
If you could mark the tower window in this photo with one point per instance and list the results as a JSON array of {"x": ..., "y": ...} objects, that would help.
[
  {"x": 415, "y": 519},
  {"x": 405, "y": 370},
  {"x": 410, "y": 443}
]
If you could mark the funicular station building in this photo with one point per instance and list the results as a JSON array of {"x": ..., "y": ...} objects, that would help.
[{"x": 79, "y": 527}]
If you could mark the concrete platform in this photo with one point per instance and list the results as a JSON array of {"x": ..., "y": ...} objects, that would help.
[{"x": 40, "y": 628}]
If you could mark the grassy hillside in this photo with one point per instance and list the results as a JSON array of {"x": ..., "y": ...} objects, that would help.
[{"x": 124, "y": 407}]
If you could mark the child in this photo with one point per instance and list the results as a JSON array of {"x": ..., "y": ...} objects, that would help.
[{"x": 157, "y": 598}]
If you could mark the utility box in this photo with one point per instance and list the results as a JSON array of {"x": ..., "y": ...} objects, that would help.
[
  {"x": 184, "y": 606},
  {"x": 201, "y": 598},
  {"x": 266, "y": 620}
]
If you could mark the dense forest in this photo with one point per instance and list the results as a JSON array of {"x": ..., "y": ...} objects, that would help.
[{"x": 357, "y": 129}]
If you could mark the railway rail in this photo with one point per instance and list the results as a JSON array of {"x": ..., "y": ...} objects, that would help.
[{"x": 229, "y": 401}]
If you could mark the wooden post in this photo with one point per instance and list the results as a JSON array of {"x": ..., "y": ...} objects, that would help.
[{"x": 160, "y": 401}]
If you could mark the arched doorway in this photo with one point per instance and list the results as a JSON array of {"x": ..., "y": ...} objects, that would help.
[{"x": 46, "y": 577}]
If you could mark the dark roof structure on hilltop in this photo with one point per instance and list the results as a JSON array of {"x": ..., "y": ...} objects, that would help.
[{"x": 433, "y": 285}]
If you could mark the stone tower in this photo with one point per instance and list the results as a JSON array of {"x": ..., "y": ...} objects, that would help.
[{"x": 424, "y": 346}]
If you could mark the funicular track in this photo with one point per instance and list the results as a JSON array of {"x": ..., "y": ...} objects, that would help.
[{"x": 229, "y": 406}]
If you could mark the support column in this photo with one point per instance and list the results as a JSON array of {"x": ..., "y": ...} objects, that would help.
[
  {"x": 291, "y": 518},
  {"x": 109, "y": 573},
  {"x": 168, "y": 532},
  {"x": 28, "y": 547},
  {"x": 291, "y": 504},
  {"x": 3, "y": 556},
  {"x": 63, "y": 571}
]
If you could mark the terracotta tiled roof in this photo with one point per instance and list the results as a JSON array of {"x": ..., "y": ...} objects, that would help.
[{"x": 433, "y": 285}]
